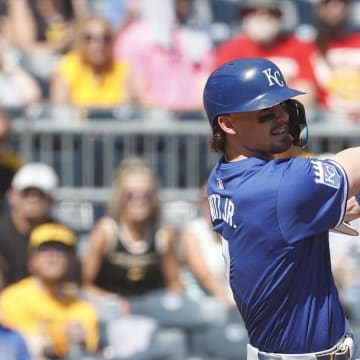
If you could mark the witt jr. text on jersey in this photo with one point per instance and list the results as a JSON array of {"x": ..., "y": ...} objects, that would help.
[{"x": 221, "y": 208}]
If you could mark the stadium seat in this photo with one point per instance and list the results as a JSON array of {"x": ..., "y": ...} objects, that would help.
[
  {"x": 77, "y": 214},
  {"x": 351, "y": 297},
  {"x": 227, "y": 341}
]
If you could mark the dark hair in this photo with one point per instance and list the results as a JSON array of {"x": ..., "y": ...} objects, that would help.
[
  {"x": 326, "y": 32},
  {"x": 4, "y": 272},
  {"x": 217, "y": 142}
]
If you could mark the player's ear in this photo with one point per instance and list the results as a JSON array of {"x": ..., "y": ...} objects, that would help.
[{"x": 226, "y": 123}]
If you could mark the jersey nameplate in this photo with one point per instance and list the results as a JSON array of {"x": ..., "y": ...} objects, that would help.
[{"x": 221, "y": 208}]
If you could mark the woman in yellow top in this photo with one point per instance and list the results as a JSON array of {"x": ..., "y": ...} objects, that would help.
[{"x": 89, "y": 75}]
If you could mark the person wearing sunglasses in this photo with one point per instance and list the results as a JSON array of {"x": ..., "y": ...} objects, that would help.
[
  {"x": 130, "y": 252},
  {"x": 130, "y": 261},
  {"x": 89, "y": 76}
]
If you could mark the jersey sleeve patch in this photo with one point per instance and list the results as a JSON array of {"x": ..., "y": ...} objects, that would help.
[{"x": 326, "y": 174}]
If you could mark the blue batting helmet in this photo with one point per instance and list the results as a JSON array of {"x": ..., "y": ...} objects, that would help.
[{"x": 245, "y": 84}]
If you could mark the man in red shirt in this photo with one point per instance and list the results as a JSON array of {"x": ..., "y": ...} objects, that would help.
[{"x": 261, "y": 35}]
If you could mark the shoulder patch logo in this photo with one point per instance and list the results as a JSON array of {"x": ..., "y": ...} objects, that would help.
[
  {"x": 326, "y": 174},
  {"x": 219, "y": 184}
]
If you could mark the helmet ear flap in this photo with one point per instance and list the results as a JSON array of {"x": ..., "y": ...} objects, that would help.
[{"x": 297, "y": 122}]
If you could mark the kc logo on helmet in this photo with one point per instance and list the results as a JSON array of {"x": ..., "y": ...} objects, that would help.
[{"x": 274, "y": 77}]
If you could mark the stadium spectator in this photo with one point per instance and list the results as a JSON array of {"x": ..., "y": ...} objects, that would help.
[
  {"x": 43, "y": 31},
  {"x": 89, "y": 76},
  {"x": 193, "y": 19},
  {"x": 193, "y": 13},
  {"x": 130, "y": 267},
  {"x": 30, "y": 199},
  {"x": 12, "y": 344},
  {"x": 203, "y": 257},
  {"x": 261, "y": 35},
  {"x": 53, "y": 321},
  {"x": 121, "y": 13},
  {"x": 130, "y": 252},
  {"x": 10, "y": 162},
  {"x": 336, "y": 61},
  {"x": 158, "y": 47},
  {"x": 17, "y": 86}
]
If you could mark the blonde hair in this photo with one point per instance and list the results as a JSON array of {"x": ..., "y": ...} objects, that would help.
[
  {"x": 128, "y": 167},
  {"x": 83, "y": 24}
]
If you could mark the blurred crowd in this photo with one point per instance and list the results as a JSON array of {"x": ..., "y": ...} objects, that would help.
[
  {"x": 138, "y": 288},
  {"x": 107, "y": 53}
]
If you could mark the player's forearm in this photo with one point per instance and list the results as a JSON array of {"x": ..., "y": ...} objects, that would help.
[
  {"x": 353, "y": 208},
  {"x": 349, "y": 159}
]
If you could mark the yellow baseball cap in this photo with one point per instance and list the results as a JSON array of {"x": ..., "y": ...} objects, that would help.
[{"x": 51, "y": 232}]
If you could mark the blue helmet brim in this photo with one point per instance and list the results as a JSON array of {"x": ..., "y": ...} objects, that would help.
[
  {"x": 264, "y": 101},
  {"x": 268, "y": 100}
]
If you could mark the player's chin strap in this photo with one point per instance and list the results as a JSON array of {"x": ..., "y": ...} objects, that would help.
[{"x": 297, "y": 122}]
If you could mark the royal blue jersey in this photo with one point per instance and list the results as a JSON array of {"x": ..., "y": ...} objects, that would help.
[{"x": 273, "y": 217}]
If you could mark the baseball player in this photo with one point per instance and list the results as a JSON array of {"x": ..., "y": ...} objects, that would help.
[{"x": 273, "y": 215}]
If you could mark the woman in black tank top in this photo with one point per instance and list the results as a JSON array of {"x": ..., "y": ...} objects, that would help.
[{"x": 130, "y": 252}]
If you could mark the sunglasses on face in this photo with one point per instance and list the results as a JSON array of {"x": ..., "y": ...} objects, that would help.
[
  {"x": 145, "y": 196},
  {"x": 95, "y": 38}
]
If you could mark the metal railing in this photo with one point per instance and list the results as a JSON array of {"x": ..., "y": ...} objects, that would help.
[{"x": 85, "y": 153}]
